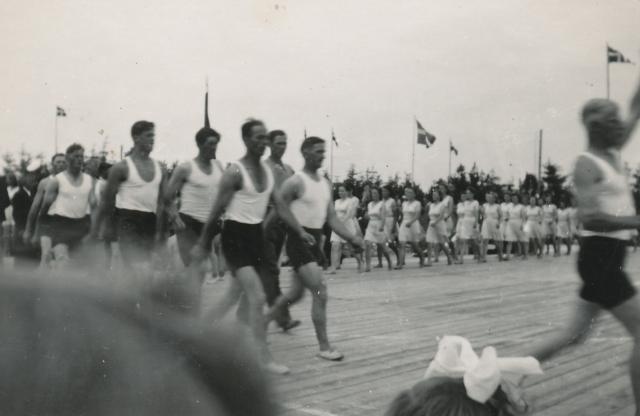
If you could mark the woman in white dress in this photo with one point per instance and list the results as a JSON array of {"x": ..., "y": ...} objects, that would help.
[
  {"x": 410, "y": 231},
  {"x": 468, "y": 225},
  {"x": 504, "y": 209},
  {"x": 344, "y": 208},
  {"x": 491, "y": 220},
  {"x": 549, "y": 224},
  {"x": 375, "y": 236},
  {"x": 563, "y": 230},
  {"x": 437, "y": 228},
  {"x": 515, "y": 231},
  {"x": 390, "y": 219},
  {"x": 533, "y": 227}
]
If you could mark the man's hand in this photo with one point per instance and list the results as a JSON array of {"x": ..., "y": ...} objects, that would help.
[
  {"x": 198, "y": 253},
  {"x": 178, "y": 224},
  {"x": 26, "y": 237},
  {"x": 357, "y": 241},
  {"x": 308, "y": 238}
]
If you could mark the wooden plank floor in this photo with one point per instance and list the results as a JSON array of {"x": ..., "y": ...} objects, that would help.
[{"x": 386, "y": 324}]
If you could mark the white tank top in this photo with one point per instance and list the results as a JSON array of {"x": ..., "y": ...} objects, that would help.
[
  {"x": 310, "y": 209},
  {"x": 563, "y": 215},
  {"x": 614, "y": 197},
  {"x": 200, "y": 190},
  {"x": 72, "y": 201},
  {"x": 470, "y": 208},
  {"x": 247, "y": 205},
  {"x": 137, "y": 194},
  {"x": 504, "y": 208}
]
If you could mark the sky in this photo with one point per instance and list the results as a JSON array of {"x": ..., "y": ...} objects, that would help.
[{"x": 487, "y": 75}]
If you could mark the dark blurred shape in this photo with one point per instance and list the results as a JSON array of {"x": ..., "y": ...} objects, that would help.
[{"x": 68, "y": 347}]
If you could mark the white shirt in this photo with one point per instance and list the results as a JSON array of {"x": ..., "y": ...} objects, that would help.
[
  {"x": 310, "y": 208},
  {"x": 137, "y": 194},
  {"x": 72, "y": 201},
  {"x": 248, "y": 206},
  {"x": 200, "y": 191},
  {"x": 613, "y": 197}
]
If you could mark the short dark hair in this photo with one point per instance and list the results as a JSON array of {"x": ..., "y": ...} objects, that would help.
[
  {"x": 140, "y": 127},
  {"x": 73, "y": 148},
  {"x": 347, "y": 187},
  {"x": 204, "y": 133},
  {"x": 103, "y": 169},
  {"x": 310, "y": 142},
  {"x": 53, "y": 158},
  {"x": 445, "y": 396},
  {"x": 248, "y": 125},
  {"x": 275, "y": 133}
]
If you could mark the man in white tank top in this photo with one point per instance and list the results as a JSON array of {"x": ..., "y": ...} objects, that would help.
[
  {"x": 197, "y": 182},
  {"x": 42, "y": 232},
  {"x": 67, "y": 200},
  {"x": 607, "y": 211},
  {"x": 310, "y": 198},
  {"x": 134, "y": 189},
  {"x": 245, "y": 191}
]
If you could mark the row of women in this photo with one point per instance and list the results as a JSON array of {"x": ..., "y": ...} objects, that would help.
[{"x": 519, "y": 225}]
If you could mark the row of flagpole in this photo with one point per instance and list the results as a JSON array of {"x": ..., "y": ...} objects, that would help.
[{"x": 421, "y": 136}]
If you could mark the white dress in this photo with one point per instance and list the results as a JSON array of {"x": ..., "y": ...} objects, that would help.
[
  {"x": 515, "y": 232},
  {"x": 343, "y": 209},
  {"x": 491, "y": 222},
  {"x": 410, "y": 212},
  {"x": 532, "y": 227},
  {"x": 548, "y": 220},
  {"x": 469, "y": 220},
  {"x": 563, "y": 230},
  {"x": 376, "y": 213},
  {"x": 437, "y": 229}
]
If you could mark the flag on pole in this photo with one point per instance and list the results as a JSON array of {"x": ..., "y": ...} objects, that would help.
[
  {"x": 60, "y": 112},
  {"x": 453, "y": 149},
  {"x": 206, "y": 107},
  {"x": 333, "y": 138},
  {"x": 615, "y": 56},
  {"x": 424, "y": 137}
]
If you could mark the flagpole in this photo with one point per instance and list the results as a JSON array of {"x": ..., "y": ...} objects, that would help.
[
  {"x": 449, "y": 159},
  {"x": 55, "y": 134},
  {"x": 607, "y": 56},
  {"x": 413, "y": 148},
  {"x": 331, "y": 166}
]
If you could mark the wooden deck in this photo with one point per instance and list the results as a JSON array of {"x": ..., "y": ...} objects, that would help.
[{"x": 386, "y": 324}]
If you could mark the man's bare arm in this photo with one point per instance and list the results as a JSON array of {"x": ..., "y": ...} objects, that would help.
[
  {"x": 174, "y": 185},
  {"x": 50, "y": 195},
  {"x": 35, "y": 208},
  {"x": 634, "y": 115}
]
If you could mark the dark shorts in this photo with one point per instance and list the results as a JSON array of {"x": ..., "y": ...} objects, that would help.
[
  {"x": 600, "y": 264},
  {"x": 68, "y": 231},
  {"x": 188, "y": 237},
  {"x": 301, "y": 253},
  {"x": 44, "y": 226},
  {"x": 242, "y": 244},
  {"x": 136, "y": 232}
]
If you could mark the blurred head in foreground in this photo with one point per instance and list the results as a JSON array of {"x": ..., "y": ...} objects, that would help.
[
  {"x": 445, "y": 396},
  {"x": 67, "y": 348}
]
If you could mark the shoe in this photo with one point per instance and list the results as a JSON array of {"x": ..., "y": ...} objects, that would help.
[
  {"x": 379, "y": 266},
  {"x": 331, "y": 355},
  {"x": 290, "y": 325},
  {"x": 276, "y": 368}
]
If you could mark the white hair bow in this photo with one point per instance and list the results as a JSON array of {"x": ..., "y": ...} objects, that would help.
[{"x": 481, "y": 375}]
